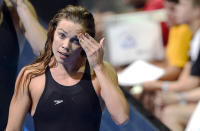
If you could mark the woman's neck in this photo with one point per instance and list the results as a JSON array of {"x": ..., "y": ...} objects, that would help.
[{"x": 71, "y": 69}]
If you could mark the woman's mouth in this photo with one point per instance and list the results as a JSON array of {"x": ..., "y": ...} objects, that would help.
[{"x": 63, "y": 55}]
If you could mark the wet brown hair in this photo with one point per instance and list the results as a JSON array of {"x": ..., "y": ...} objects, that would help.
[{"x": 76, "y": 14}]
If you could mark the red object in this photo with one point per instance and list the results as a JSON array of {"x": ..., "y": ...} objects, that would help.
[
  {"x": 153, "y": 5},
  {"x": 158, "y": 4},
  {"x": 165, "y": 33}
]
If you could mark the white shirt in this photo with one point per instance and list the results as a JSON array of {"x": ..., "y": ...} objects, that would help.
[
  {"x": 193, "y": 124},
  {"x": 195, "y": 46}
]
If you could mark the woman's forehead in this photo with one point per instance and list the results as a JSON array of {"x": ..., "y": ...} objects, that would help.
[{"x": 69, "y": 26}]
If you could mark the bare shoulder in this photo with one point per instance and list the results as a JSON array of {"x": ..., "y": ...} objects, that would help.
[
  {"x": 23, "y": 74},
  {"x": 23, "y": 81},
  {"x": 37, "y": 82},
  {"x": 27, "y": 75}
]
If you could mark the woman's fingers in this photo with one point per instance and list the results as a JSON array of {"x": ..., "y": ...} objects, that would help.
[
  {"x": 83, "y": 43},
  {"x": 102, "y": 41},
  {"x": 90, "y": 44},
  {"x": 93, "y": 49}
]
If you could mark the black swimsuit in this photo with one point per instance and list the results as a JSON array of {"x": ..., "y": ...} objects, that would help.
[{"x": 68, "y": 108}]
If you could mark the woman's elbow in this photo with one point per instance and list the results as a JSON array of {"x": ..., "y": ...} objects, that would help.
[{"x": 123, "y": 118}]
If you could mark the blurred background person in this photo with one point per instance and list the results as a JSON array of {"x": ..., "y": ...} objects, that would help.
[
  {"x": 178, "y": 43},
  {"x": 172, "y": 101},
  {"x": 177, "y": 107},
  {"x": 12, "y": 29},
  {"x": 176, "y": 55}
]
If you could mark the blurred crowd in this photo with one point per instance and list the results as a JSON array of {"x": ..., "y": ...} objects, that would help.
[{"x": 174, "y": 97}]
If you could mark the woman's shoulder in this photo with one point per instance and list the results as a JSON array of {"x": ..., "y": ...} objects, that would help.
[
  {"x": 37, "y": 83},
  {"x": 32, "y": 72},
  {"x": 35, "y": 73}
]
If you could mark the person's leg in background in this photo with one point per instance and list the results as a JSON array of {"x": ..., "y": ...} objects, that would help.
[{"x": 177, "y": 116}]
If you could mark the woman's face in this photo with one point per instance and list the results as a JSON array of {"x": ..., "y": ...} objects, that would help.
[{"x": 66, "y": 47}]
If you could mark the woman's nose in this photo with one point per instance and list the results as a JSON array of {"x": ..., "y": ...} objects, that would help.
[{"x": 66, "y": 44}]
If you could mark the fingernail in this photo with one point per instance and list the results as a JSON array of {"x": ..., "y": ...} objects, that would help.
[{"x": 86, "y": 34}]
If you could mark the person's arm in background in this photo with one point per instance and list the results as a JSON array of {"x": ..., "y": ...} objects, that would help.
[
  {"x": 192, "y": 96},
  {"x": 34, "y": 32},
  {"x": 171, "y": 73},
  {"x": 166, "y": 98},
  {"x": 185, "y": 82}
]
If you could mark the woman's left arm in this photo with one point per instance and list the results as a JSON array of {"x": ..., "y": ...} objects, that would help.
[{"x": 112, "y": 95}]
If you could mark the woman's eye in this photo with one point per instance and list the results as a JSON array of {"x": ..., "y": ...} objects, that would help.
[
  {"x": 75, "y": 40},
  {"x": 61, "y": 35}
]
